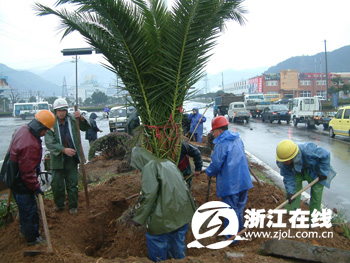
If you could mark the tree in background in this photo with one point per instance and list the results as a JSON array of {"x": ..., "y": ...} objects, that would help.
[
  {"x": 158, "y": 53},
  {"x": 32, "y": 99},
  {"x": 14, "y": 95},
  {"x": 50, "y": 100},
  {"x": 338, "y": 86},
  {"x": 98, "y": 98}
]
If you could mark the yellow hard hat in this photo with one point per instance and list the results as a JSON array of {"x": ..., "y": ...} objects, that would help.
[
  {"x": 286, "y": 150},
  {"x": 46, "y": 118}
]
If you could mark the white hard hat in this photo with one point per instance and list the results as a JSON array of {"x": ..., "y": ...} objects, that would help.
[{"x": 60, "y": 104}]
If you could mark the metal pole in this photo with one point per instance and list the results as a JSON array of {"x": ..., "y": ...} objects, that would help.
[
  {"x": 76, "y": 80},
  {"x": 325, "y": 52}
]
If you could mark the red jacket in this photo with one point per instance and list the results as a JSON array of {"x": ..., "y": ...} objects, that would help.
[{"x": 26, "y": 150}]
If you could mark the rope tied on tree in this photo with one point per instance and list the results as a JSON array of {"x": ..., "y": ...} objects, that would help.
[{"x": 170, "y": 124}]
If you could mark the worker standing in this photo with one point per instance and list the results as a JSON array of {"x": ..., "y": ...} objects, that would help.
[
  {"x": 91, "y": 134},
  {"x": 304, "y": 162},
  {"x": 63, "y": 144},
  {"x": 166, "y": 205},
  {"x": 24, "y": 158},
  {"x": 197, "y": 119},
  {"x": 229, "y": 165},
  {"x": 187, "y": 151}
]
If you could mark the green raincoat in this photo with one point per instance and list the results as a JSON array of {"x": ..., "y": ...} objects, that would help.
[
  {"x": 166, "y": 203},
  {"x": 55, "y": 146}
]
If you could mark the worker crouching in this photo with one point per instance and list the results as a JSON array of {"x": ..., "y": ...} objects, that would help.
[
  {"x": 166, "y": 205},
  {"x": 304, "y": 162}
]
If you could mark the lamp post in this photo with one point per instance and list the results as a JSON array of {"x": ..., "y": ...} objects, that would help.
[
  {"x": 325, "y": 52},
  {"x": 75, "y": 52}
]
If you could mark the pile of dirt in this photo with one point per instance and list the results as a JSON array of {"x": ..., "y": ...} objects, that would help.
[{"x": 101, "y": 237}]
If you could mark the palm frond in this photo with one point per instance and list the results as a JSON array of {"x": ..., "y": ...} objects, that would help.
[{"x": 157, "y": 53}]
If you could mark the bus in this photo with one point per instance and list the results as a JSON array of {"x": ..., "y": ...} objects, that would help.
[
  {"x": 28, "y": 109},
  {"x": 271, "y": 97},
  {"x": 254, "y": 98}
]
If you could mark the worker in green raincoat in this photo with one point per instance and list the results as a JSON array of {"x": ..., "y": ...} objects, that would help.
[
  {"x": 166, "y": 205},
  {"x": 63, "y": 145}
]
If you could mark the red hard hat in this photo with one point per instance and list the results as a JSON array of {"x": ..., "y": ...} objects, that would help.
[{"x": 219, "y": 121}]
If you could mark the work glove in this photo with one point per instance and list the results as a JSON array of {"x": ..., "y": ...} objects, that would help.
[
  {"x": 37, "y": 192},
  {"x": 322, "y": 177},
  {"x": 135, "y": 223},
  {"x": 289, "y": 197}
]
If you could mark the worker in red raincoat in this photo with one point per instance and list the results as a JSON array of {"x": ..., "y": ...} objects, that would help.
[{"x": 24, "y": 159}]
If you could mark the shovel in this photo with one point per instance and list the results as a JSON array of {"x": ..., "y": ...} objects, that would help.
[
  {"x": 123, "y": 200},
  {"x": 281, "y": 205},
  {"x": 49, "y": 249},
  {"x": 8, "y": 218},
  {"x": 82, "y": 164},
  {"x": 208, "y": 191},
  {"x": 256, "y": 178}
]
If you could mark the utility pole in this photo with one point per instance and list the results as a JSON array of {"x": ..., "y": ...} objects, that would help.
[
  {"x": 325, "y": 52},
  {"x": 64, "y": 88},
  {"x": 222, "y": 81}
]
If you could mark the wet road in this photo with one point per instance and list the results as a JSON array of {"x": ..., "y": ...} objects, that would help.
[{"x": 260, "y": 139}]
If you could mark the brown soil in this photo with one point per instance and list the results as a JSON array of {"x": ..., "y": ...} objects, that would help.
[{"x": 100, "y": 237}]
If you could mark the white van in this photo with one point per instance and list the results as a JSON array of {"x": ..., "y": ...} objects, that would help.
[
  {"x": 117, "y": 119},
  {"x": 238, "y": 111}
]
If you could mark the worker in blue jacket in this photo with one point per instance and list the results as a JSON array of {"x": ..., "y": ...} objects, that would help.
[
  {"x": 304, "y": 162},
  {"x": 229, "y": 164},
  {"x": 196, "y": 118}
]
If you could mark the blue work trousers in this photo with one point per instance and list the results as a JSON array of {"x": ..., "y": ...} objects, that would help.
[
  {"x": 237, "y": 202},
  {"x": 172, "y": 243},
  {"x": 28, "y": 216}
]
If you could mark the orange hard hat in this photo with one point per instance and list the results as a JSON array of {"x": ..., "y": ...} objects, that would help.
[
  {"x": 219, "y": 121},
  {"x": 46, "y": 118}
]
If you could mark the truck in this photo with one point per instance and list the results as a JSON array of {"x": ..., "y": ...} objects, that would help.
[
  {"x": 222, "y": 103},
  {"x": 309, "y": 110},
  {"x": 238, "y": 112},
  {"x": 255, "y": 103}
]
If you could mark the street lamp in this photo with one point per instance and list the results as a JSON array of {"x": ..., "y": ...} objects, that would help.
[{"x": 75, "y": 52}]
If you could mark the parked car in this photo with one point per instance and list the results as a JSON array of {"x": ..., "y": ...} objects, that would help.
[
  {"x": 82, "y": 112},
  {"x": 276, "y": 113},
  {"x": 340, "y": 124}
]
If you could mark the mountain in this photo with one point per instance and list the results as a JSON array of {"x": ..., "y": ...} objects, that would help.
[
  {"x": 51, "y": 81},
  {"x": 337, "y": 60},
  {"x": 66, "y": 70},
  {"x": 25, "y": 81}
]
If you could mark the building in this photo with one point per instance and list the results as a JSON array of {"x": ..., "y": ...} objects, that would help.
[
  {"x": 5, "y": 91},
  {"x": 288, "y": 83}
]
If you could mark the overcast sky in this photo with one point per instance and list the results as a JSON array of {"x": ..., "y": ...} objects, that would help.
[{"x": 275, "y": 30}]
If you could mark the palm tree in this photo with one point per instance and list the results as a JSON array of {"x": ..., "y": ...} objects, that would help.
[{"x": 158, "y": 53}]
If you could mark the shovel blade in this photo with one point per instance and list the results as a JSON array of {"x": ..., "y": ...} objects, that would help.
[
  {"x": 33, "y": 253},
  {"x": 7, "y": 219}
]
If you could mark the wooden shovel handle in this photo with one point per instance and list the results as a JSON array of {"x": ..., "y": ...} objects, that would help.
[
  {"x": 46, "y": 228},
  {"x": 281, "y": 205},
  {"x": 82, "y": 164},
  {"x": 9, "y": 202}
]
